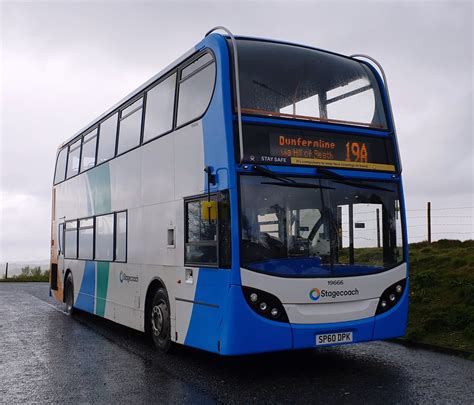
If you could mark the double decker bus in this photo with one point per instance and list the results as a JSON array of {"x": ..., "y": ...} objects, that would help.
[{"x": 248, "y": 198}]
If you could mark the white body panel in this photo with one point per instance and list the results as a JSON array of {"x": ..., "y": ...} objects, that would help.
[
  {"x": 294, "y": 293},
  {"x": 149, "y": 182}
]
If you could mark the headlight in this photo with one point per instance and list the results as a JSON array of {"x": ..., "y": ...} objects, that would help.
[
  {"x": 261, "y": 301},
  {"x": 391, "y": 296}
]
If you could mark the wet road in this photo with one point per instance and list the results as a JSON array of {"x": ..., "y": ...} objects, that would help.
[{"x": 47, "y": 356}]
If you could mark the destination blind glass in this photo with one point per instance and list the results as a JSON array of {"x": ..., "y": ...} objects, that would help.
[{"x": 301, "y": 147}]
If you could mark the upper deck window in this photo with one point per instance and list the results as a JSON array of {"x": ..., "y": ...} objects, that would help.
[
  {"x": 195, "y": 89},
  {"x": 88, "y": 150},
  {"x": 107, "y": 137},
  {"x": 159, "y": 108},
  {"x": 300, "y": 83},
  {"x": 130, "y": 126},
  {"x": 60, "y": 166},
  {"x": 74, "y": 158}
]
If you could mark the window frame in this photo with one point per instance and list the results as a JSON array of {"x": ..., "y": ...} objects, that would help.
[
  {"x": 77, "y": 238},
  {"x": 79, "y": 228},
  {"x": 145, "y": 105},
  {"x": 64, "y": 148},
  {"x": 216, "y": 243},
  {"x": 76, "y": 140},
  {"x": 121, "y": 118},
  {"x": 94, "y": 228},
  {"x": 115, "y": 236},
  {"x": 179, "y": 80},
  {"x": 96, "y": 136},
  {"x": 99, "y": 124},
  {"x": 61, "y": 243}
]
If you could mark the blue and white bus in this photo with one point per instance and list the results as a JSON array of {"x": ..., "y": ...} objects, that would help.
[{"x": 247, "y": 198}]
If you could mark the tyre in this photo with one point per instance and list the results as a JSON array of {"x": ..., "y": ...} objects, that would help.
[
  {"x": 69, "y": 294},
  {"x": 159, "y": 323}
]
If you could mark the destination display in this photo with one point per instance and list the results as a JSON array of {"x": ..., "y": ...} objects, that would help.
[{"x": 288, "y": 146}]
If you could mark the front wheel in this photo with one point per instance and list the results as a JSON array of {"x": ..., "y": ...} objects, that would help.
[
  {"x": 159, "y": 321},
  {"x": 69, "y": 294}
]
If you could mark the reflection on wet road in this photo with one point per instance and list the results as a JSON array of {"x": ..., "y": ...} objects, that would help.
[{"x": 47, "y": 356}]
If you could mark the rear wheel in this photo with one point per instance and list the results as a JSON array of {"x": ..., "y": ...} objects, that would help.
[
  {"x": 69, "y": 294},
  {"x": 159, "y": 321}
]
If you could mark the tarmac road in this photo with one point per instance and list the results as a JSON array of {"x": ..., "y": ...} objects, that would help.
[{"x": 47, "y": 356}]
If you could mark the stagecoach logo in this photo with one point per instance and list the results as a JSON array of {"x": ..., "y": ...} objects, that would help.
[
  {"x": 127, "y": 278},
  {"x": 314, "y": 294}
]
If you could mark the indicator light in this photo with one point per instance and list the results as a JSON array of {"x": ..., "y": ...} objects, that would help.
[
  {"x": 398, "y": 288},
  {"x": 383, "y": 304},
  {"x": 274, "y": 312},
  {"x": 253, "y": 297}
]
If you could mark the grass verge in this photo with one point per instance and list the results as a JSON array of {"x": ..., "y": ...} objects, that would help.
[
  {"x": 442, "y": 294},
  {"x": 16, "y": 279}
]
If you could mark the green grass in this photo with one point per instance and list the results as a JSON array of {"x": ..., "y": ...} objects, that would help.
[
  {"x": 442, "y": 294},
  {"x": 21, "y": 278}
]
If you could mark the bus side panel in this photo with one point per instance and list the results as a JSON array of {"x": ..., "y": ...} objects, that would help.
[
  {"x": 244, "y": 332},
  {"x": 86, "y": 290},
  {"x": 209, "y": 300}
]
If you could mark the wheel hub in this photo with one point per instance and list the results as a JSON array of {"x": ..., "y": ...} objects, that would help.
[{"x": 157, "y": 320}]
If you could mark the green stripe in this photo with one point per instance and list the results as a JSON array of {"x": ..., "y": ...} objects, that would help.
[
  {"x": 99, "y": 183},
  {"x": 100, "y": 199}
]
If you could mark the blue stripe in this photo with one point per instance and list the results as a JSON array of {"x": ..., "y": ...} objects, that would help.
[{"x": 85, "y": 300}]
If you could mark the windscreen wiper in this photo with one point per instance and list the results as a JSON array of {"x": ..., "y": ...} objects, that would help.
[
  {"x": 297, "y": 185},
  {"x": 337, "y": 178},
  {"x": 269, "y": 173}
]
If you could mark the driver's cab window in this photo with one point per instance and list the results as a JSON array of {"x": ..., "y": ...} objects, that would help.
[
  {"x": 207, "y": 233},
  {"x": 201, "y": 232}
]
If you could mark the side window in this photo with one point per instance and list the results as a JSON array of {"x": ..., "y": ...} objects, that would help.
[
  {"x": 104, "y": 237},
  {"x": 61, "y": 239},
  {"x": 121, "y": 236},
  {"x": 70, "y": 251},
  {"x": 86, "y": 238},
  {"x": 201, "y": 233},
  {"x": 88, "y": 150},
  {"x": 130, "y": 126},
  {"x": 74, "y": 158},
  {"x": 61, "y": 166},
  {"x": 159, "y": 108},
  {"x": 107, "y": 136},
  {"x": 196, "y": 85}
]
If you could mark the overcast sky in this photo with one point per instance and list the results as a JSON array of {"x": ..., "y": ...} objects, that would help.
[{"x": 64, "y": 63}]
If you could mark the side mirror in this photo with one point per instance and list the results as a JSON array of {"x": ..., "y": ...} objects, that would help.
[{"x": 209, "y": 210}]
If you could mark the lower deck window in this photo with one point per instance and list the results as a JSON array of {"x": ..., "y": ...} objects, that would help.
[
  {"x": 103, "y": 238},
  {"x": 86, "y": 239},
  {"x": 70, "y": 251}
]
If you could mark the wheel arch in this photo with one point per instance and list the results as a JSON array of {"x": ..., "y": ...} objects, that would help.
[{"x": 66, "y": 275}]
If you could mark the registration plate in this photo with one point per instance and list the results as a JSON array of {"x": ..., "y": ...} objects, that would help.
[{"x": 332, "y": 338}]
